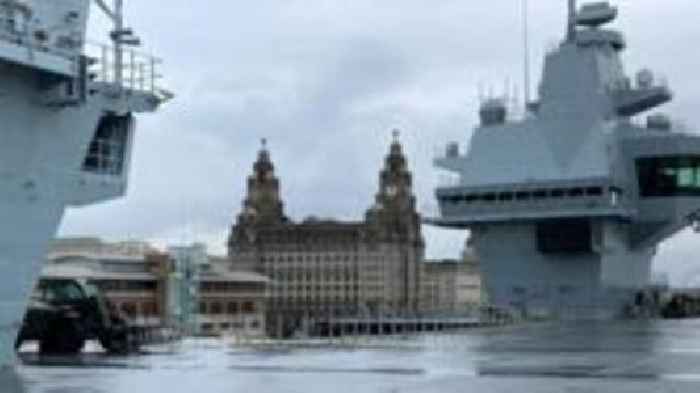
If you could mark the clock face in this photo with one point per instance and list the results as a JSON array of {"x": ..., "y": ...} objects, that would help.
[{"x": 392, "y": 191}]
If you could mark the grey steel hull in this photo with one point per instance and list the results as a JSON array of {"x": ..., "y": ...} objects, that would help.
[
  {"x": 585, "y": 286},
  {"x": 41, "y": 156},
  {"x": 26, "y": 230}
]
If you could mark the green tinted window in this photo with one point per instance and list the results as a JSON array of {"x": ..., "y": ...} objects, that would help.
[{"x": 669, "y": 176}]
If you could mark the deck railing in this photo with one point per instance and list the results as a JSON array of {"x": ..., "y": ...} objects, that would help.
[{"x": 138, "y": 73}]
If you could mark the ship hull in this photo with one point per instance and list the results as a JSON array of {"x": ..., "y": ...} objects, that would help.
[
  {"x": 587, "y": 285},
  {"x": 41, "y": 157},
  {"x": 26, "y": 230}
]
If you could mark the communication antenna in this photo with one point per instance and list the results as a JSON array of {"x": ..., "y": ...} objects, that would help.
[
  {"x": 514, "y": 101},
  {"x": 526, "y": 52},
  {"x": 571, "y": 29}
]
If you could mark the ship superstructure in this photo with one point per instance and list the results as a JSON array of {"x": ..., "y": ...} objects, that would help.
[
  {"x": 566, "y": 207},
  {"x": 66, "y": 126}
]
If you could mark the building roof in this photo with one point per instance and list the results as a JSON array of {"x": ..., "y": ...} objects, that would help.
[
  {"x": 80, "y": 271},
  {"x": 96, "y": 248},
  {"x": 219, "y": 275}
]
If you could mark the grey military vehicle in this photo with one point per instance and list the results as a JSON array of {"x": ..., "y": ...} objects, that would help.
[{"x": 64, "y": 313}]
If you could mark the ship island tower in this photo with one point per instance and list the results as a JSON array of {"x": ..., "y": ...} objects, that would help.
[
  {"x": 68, "y": 122},
  {"x": 567, "y": 207}
]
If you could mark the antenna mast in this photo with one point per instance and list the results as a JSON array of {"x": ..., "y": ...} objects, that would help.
[
  {"x": 526, "y": 52},
  {"x": 571, "y": 29},
  {"x": 120, "y": 36}
]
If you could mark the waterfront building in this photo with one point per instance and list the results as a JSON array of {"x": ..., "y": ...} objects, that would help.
[
  {"x": 123, "y": 271},
  {"x": 323, "y": 268},
  {"x": 231, "y": 303},
  {"x": 450, "y": 287}
]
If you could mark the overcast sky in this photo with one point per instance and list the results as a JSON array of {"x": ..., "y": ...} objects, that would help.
[{"x": 326, "y": 82}]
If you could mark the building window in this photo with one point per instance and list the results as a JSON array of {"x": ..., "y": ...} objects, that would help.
[
  {"x": 248, "y": 307},
  {"x": 149, "y": 308},
  {"x": 232, "y": 308},
  {"x": 216, "y": 308},
  {"x": 202, "y": 307},
  {"x": 129, "y": 309}
]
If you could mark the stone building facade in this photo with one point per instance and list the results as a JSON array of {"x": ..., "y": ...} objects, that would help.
[
  {"x": 329, "y": 268},
  {"x": 231, "y": 303},
  {"x": 451, "y": 287}
]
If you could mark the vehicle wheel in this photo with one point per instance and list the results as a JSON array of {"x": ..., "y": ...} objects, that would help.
[
  {"x": 119, "y": 342},
  {"x": 64, "y": 337}
]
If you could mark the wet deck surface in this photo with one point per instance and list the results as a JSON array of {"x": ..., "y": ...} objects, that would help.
[{"x": 574, "y": 358}]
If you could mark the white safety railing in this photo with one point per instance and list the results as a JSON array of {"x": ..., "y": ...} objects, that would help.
[{"x": 138, "y": 73}]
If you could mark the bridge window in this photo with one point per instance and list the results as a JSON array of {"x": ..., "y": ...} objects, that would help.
[
  {"x": 540, "y": 194},
  {"x": 106, "y": 154},
  {"x": 489, "y": 197},
  {"x": 558, "y": 193},
  {"x": 522, "y": 195},
  {"x": 505, "y": 196},
  {"x": 594, "y": 191},
  {"x": 669, "y": 176}
]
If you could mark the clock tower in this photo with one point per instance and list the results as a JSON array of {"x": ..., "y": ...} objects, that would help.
[
  {"x": 394, "y": 230},
  {"x": 262, "y": 207},
  {"x": 394, "y": 213}
]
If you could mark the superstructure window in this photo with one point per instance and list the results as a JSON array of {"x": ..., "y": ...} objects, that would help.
[
  {"x": 669, "y": 176},
  {"x": 106, "y": 154},
  {"x": 522, "y": 195},
  {"x": 505, "y": 196},
  {"x": 558, "y": 193},
  {"x": 540, "y": 194},
  {"x": 489, "y": 197},
  {"x": 471, "y": 198},
  {"x": 594, "y": 191}
]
